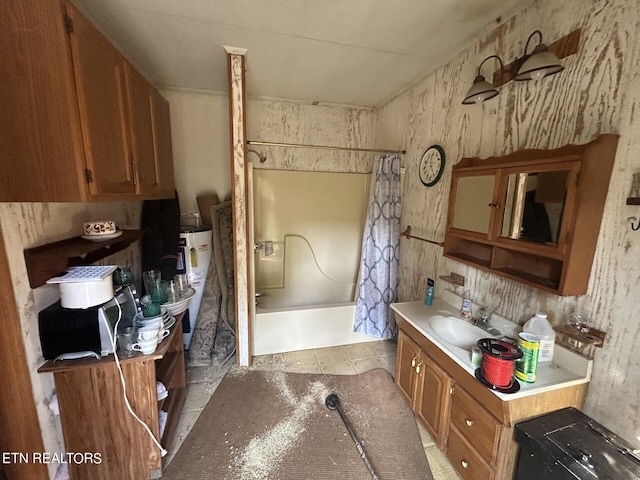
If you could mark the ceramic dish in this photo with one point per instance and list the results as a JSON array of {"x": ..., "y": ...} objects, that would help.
[
  {"x": 102, "y": 238},
  {"x": 180, "y": 305},
  {"x": 170, "y": 323},
  {"x": 164, "y": 314},
  {"x": 100, "y": 227}
]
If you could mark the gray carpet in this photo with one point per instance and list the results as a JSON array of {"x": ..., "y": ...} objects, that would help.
[{"x": 275, "y": 425}]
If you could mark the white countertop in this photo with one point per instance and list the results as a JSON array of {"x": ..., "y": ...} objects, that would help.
[{"x": 567, "y": 368}]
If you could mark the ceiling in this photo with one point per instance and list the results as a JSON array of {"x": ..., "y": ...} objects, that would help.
[{"x": 353, "y": 52}]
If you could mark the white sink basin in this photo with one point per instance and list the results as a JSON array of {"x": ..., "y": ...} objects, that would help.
[{"x": 456, "y": 331}]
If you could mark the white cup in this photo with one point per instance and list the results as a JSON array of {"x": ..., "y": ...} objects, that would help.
[
  {"x": 148, "y": 335},
  {"x": 150, "y": 325},
  {"x": 146, "y": 346}
]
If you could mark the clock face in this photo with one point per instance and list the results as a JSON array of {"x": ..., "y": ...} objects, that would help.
[{"x": 431, "y": 165}]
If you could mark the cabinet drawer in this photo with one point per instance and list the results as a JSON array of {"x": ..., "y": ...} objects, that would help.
[
  {"x": 474, "y": 423},
  {"x": 465, "y": 459}
]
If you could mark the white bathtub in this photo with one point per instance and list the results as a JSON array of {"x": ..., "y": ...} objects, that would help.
[{"x": 301, "y": 328}]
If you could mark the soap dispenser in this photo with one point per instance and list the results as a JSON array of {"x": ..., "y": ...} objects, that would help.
[{"x": 465, "y": 310}]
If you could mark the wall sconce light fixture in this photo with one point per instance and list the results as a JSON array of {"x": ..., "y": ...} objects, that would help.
[
  {"x": 533, "y": 66},
  {"x": 481, "y": 90},
  {"x": 539, "y": 63}
]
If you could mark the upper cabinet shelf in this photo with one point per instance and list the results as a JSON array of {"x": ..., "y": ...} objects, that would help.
[
  {"x": 533, "y": 215},
  {"x": 47, "y": 261}
]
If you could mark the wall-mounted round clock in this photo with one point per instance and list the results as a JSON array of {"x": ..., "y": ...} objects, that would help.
[{"x": 431, "y": 165}]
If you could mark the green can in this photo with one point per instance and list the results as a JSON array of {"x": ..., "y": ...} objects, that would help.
[{"x": 527, "y": 366}]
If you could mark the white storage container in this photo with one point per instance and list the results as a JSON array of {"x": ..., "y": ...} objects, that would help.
[{"x": 540, "y": 327}]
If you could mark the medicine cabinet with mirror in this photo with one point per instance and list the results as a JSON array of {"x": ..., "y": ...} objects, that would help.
[{"x": 533, "y": 215}]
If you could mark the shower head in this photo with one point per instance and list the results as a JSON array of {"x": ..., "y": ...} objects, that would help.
[{"x": 262, "y": 157}]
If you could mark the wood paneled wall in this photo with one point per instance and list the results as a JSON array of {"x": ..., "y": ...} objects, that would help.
[{"x": 596, "y": 93}]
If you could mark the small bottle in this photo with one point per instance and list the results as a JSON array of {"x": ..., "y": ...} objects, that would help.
[
  {"x": 428, "y": 296},
  {"x": 465, "y": 311}
]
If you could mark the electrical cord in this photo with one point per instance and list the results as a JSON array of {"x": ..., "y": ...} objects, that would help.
[{"x": 112, "y": 337}]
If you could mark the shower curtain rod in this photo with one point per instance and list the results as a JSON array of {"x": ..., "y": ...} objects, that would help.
[{"x": 323, "y": 147}]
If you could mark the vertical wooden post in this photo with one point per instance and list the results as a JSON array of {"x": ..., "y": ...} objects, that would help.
[{"x": 239, "y": 198}]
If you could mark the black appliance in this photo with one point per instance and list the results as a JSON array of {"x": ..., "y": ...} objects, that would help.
[
  {"x": 568, "y": 444},
  {"x": 70, "y": 330}
]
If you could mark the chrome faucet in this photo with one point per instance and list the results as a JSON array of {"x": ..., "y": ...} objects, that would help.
[
  {"x": 484, "y": 315},
  {"x": 483, "y": 321}
]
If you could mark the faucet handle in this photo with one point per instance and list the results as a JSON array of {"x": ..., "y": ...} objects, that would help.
[{"x": 485, "y": 314}]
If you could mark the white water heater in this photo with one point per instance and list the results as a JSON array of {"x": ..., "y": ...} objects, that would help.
[{"x": 194, "y": 256}]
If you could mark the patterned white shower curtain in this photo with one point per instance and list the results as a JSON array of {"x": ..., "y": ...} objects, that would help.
[{"x": 378, "y": 278}]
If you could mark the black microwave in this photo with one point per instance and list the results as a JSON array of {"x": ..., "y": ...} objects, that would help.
[{"x": 66, "y": 330}]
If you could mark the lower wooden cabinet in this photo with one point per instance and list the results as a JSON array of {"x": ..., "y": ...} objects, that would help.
[
  {"x": 94, "y": 415},
  {"x": 425, "y": 386},
  {"x": 468, "y": 422}
]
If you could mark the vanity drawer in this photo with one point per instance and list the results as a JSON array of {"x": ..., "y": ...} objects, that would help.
[
  {"x": 465, "y": 459},
  {"x": 475, "y": 424}
]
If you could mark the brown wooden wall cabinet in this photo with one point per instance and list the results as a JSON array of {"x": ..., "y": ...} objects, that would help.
[
  {"x": 95, "y": 418},
  {"x": 471, "y": 425},
  {"x": 534, "y": 215},
  {"x": 84, "y": 125}
]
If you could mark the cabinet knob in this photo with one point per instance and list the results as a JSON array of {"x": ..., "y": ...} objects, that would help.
[
  {"x": 494, "y": 205},
  {"x": 464, "y": 464},
  {"x": 469, "y": 422},
  {"x": 413, "y": 361},
  {"x": 419, "y": 367}
]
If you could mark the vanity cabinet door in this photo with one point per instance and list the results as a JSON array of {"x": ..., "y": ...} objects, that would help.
[
  {"x": 408, "y": 354},
  {"x": 432, "y": 398}
]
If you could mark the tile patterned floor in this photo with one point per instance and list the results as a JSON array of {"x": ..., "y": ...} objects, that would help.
[{"x": 346, "y": 359}]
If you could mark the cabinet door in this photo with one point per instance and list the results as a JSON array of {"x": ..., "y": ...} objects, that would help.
[
  {"x": 407, "y": 356},
  {"x": 163, "y": 145},
  {"x": 140, "y": 107},
  {"x": 473, "y": 203},
  {"x": 538, "y": 206},
  {"x": 98, "y": 71},
  {"x": 432, "y": 398},
  {"x": 42, "y": 156}
]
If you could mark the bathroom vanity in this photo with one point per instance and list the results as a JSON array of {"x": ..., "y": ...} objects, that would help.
[{"x": 471, "y": 423}]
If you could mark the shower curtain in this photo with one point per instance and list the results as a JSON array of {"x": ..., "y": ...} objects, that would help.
[{"x": 378, "y": 278}]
